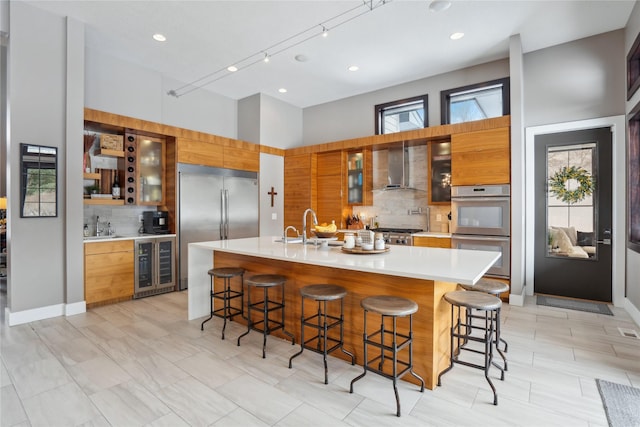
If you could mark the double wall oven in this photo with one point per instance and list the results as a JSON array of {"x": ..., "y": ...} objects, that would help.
[{"x": 481, "y": 220}]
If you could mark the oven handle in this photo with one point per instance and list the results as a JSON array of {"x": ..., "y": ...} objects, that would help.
[
  {"x": 480, "y": 199},
  {"x": 482, "y": 238}
]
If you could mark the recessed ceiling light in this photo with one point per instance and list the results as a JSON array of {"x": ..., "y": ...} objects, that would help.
[
  {"x": 232, "y": 68},
  {"x": 325, "y": 32},
  {"x": 159, "y": 37},
  {"x": 301, "y": 58},
  {"x": 282, "y": 90},
  {"x": 456, "y": 36},
  {"x": 439, "y": 5},
  {"x": 353, "y": 68},
  {"x": 266, "y": 57}
]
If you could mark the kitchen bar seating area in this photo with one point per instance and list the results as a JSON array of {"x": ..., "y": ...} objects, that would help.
[{"x": 141, "y": 362}]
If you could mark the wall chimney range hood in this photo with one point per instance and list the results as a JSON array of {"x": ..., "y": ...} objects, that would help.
[{"x": 398, "y": 168}]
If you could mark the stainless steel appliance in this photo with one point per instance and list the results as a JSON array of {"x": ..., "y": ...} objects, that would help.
[
  {"x": 214, "y": 204},
  {"x": 397, "y": 236},
  {"x": 155, "y": 222},
  {"x": 481, "y": 220},
  {"x": 154, "y": 267}
]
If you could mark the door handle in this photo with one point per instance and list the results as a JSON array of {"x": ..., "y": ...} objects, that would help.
[{"x": 607, "y": 237}]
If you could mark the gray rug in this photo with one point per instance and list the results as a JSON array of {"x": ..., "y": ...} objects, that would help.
[
  {"x": 571, "y": 304},
  {"x": 621, "y": 403}
]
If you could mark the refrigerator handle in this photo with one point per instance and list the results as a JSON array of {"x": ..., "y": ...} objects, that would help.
[
  {"x": 226, "y": 214},
  {"x": 222, "y": 214}
]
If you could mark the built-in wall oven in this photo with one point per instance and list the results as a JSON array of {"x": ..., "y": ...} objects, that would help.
[{"x": 481, "y": 220}]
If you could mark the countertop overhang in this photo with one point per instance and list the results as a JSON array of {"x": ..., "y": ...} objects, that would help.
[
  {"x": 99, "y": 239},
  {"x": 437, "y": 264}
]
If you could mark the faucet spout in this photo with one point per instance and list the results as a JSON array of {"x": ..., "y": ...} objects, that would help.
[
  {"x": 286, "y": 230},
  {"x": 304, "y": 223}
]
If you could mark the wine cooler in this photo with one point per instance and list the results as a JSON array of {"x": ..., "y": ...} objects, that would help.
[{"x": 154, "y": 266}]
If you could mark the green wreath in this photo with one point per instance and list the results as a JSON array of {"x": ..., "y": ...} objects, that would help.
[{"x": 558, "y": 184}]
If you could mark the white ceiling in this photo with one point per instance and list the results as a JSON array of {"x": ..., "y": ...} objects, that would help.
[{"x": 399, "y": 41}]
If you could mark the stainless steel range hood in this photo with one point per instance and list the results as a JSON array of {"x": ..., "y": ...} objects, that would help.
[{"x": 398, "y": 168}]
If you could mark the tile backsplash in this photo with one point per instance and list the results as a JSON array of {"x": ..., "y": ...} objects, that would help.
[
  {"x": 124, "y": 219},
  {"x": 404, "y": 208}
]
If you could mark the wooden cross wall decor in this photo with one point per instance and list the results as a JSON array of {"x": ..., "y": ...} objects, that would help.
[{"x": 272, "y": 194}]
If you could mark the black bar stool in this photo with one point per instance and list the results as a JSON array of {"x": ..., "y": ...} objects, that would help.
[
  {"x": 322, "y": 323},
  {"x": 393, "y": 307},
  {"x": 495, "y": 288},
  {"x": 462, "y": 330},
  {"x": 266, "y": 306},
  {"x": 226, "y": 294}
]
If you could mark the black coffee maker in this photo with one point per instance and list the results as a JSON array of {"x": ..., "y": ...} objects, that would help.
[{"x": 156, "y": 222}]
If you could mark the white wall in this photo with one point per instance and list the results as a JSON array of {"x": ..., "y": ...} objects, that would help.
[
  {"x": 120, "y": 87},
  {"x": 355, "y": 116},
  {"x": 574, "y": 81},
  {"x": 38, "y": 65},
  {"x": 633, "y": 258},
  {"x": 268, "y": 121}
]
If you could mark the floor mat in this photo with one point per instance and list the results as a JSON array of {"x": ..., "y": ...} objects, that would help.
[
  {"x": 621, "y": 403},
  {"x": 571, "y": 304}
]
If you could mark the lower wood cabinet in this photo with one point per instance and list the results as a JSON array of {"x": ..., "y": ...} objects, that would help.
[
  {"x": 108, "y": 272},
  {"x": 432, "y": 242}
]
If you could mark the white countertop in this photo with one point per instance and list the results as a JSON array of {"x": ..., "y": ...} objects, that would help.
[
  {"x": 448, "y": 265},
  {"x": 94, "y": 239}
]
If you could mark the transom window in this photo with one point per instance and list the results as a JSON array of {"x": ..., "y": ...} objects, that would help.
[
  {"x": 475, "y": 102},
  {"x": 405, "y": 114}
]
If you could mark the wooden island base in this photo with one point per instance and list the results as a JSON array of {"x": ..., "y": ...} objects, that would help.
[{"x": 430, "y": 324}]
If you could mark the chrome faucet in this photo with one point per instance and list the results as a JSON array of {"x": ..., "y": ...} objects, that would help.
[
  {"x": 98, "y": 229},
  {"x": 284, "y": 235},
  {"x": 304, "y": 223}
]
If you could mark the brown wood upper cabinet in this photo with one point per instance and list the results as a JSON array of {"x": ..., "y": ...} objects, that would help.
[
  {"x": 219, "y": 152},
  {"x": 300, "y": 188},
  {"x": 482, "y": 157},
  {"x": 329, "y": 178}
]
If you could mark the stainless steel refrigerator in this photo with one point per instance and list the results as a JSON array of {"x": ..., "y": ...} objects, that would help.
[{"x": 214, "y": 204}]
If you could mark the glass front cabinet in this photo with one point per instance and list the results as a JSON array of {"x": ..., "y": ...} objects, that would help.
[
  {"x": 355, "y": 177},
  {"x": 440, "y": 172},
  {"x": 150, "y": 170}
]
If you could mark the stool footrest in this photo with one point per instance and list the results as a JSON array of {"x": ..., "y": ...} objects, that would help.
[
  {"x": 231, "y": 312},
  {"x": 407, "y": 340}
]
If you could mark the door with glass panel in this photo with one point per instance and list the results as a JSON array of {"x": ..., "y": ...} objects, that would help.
[{"x": 573, "y": 214}]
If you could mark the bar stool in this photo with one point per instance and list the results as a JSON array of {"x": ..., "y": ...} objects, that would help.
[
  {"x": 394, "y": 307},
  {"x": 462, "y": 330},
  {"x": 266, "y": 306},
  {"x": 226, "y": 294},
  {"x": 323, "y": 323},
  {"x": 495, "y": 288}
]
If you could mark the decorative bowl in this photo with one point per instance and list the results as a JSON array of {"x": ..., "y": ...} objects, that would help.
[{"x": 324, "y": 234}]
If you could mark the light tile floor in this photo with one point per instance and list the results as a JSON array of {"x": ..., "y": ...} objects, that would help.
[{"x": 139, "y": 363}]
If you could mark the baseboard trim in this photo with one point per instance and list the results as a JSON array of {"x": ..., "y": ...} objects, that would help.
[
  {"x": 41, "y": 313},
  {"x": 75, "y": 308},
  {"x": 632, "y": 310},
  {"x": 518, "y": 300},
  {"x": 34, "y": 314}
]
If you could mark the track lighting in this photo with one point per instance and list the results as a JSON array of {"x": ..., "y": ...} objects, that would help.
[{"x": 264, "y": 55}]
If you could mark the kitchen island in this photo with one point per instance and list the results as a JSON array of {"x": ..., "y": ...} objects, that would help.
[{"x": 420, "y": 273}]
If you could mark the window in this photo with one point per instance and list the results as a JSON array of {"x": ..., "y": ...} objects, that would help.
[
  {"x": 475, "y": 102},
  {"x": 398, "y": 116}
]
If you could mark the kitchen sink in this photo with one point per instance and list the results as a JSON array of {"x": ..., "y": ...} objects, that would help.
[{"x": 113, "y": 236}]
